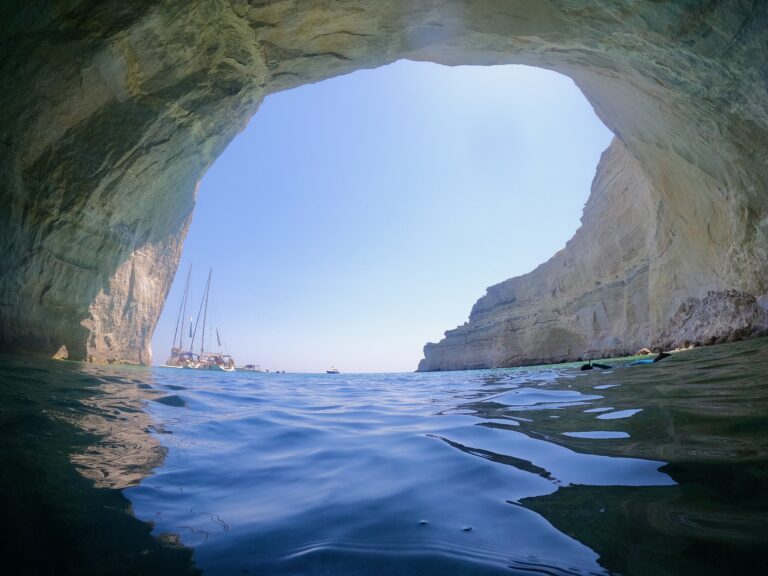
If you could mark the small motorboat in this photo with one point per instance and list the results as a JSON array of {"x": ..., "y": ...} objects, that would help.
[
  {"x": 332, "y": 370},
  {"x": 250, "y": 368}
]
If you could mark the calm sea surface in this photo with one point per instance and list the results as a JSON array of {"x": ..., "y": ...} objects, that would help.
[{"x": 650, "y": 469}]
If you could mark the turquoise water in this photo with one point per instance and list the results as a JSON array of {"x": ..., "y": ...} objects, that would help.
[{"x": 656, "y": 469}]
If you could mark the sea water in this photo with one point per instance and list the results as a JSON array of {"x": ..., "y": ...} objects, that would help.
[{"x": 647, "y": 469}]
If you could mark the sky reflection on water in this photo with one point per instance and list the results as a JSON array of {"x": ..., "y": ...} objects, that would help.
[{"x": 463, "y": 472}]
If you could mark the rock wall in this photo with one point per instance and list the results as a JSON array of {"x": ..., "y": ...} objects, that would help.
[
  {"x": 112, "y": 111},
  {"x": 596, "y": 298},
  {"x": 590, "y": 299}
]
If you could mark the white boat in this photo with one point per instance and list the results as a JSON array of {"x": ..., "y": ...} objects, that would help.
[
  {"x": 181, "y": 357},
  {"x": 332, "y": 370},
  {"x": 184, "y": 360},
  {"x": 218, "y": 362},
  {"x": 206, "y": 360},
  {"x": 250, "y": 368}
]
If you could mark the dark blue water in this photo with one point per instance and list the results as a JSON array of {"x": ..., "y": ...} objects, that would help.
[{"x": 656, "y": 469}]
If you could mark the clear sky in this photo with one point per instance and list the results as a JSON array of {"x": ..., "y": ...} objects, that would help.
[{"x": 358, "y": 218}]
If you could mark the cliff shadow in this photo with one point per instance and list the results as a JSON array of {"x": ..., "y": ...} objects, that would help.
[{"x": 71, "y": 439}]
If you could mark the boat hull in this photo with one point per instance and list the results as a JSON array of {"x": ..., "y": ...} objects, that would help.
[{"x": 215, "y": 368}]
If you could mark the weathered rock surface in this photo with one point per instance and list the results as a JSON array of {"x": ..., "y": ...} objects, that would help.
[
  {"x": 112, "y": 111},
  {"x": 590, "y": 299},
  {"x": 595, "y": 297},
  {"x": 717, "y": 318}
]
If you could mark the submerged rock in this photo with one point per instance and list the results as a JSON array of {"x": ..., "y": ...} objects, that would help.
[{"x": 112, "y": 111}]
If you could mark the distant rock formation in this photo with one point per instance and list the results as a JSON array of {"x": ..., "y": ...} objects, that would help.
[{"x": 112, "y": 111}]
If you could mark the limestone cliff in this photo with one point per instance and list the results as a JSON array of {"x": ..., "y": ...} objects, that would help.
[
  {"x": 111, "y": 112},
  {"x": 590, "y": 299},
  {"x": 596, "y": 297}
]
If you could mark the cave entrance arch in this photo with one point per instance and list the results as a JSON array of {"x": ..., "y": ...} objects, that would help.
[
  {"x": 119, "y": 109},
  {"x": 357, "y": 218}
]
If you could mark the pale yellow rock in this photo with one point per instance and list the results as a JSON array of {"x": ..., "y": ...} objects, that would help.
[
  {"x": 112, "y": 111},
  {"x": 61, "y": 354}
]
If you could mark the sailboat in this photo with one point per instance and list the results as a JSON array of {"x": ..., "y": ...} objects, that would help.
[
  {"x": 217, "y": 361},
  {"x": 181, "y": 357}
]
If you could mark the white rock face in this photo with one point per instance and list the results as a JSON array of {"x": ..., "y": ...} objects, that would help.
[
  {"x": 112, "y": 111},
  {"x": 590, "y": 299},
  {"x": 596, "y": 297}
]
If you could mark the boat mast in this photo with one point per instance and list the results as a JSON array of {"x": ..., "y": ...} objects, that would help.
[
  {"x": 182, "y": 312},
  {"x": 184, "y": 315},
  {"x": 199, "y": 312},
  {"x": 207, "y": 291}
]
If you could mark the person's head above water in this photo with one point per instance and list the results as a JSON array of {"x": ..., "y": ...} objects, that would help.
[{"x": 661, "y": 356}]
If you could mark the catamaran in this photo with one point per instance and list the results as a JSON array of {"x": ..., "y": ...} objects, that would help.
[
  {"x": 181, "y": 357},
  {"x": 218, "y": 361}
]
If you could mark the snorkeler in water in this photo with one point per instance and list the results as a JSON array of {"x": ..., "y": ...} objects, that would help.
[
  {"x": 592, "y": 365},
  {"x": 660, "y": 356}
]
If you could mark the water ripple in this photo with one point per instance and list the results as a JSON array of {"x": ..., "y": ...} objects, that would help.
[{"x": 514, "y": 471}]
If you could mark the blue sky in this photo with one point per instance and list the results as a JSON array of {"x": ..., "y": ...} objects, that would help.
[{"x": 358, "y": 218}]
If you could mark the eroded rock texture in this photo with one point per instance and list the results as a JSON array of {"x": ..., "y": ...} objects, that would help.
[
  {"x": 590, "y": 299},
  {"x": 112, "y": 111}
]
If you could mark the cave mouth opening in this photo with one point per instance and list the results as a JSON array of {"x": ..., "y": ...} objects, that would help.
[{"x": 357, "y": 218}]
